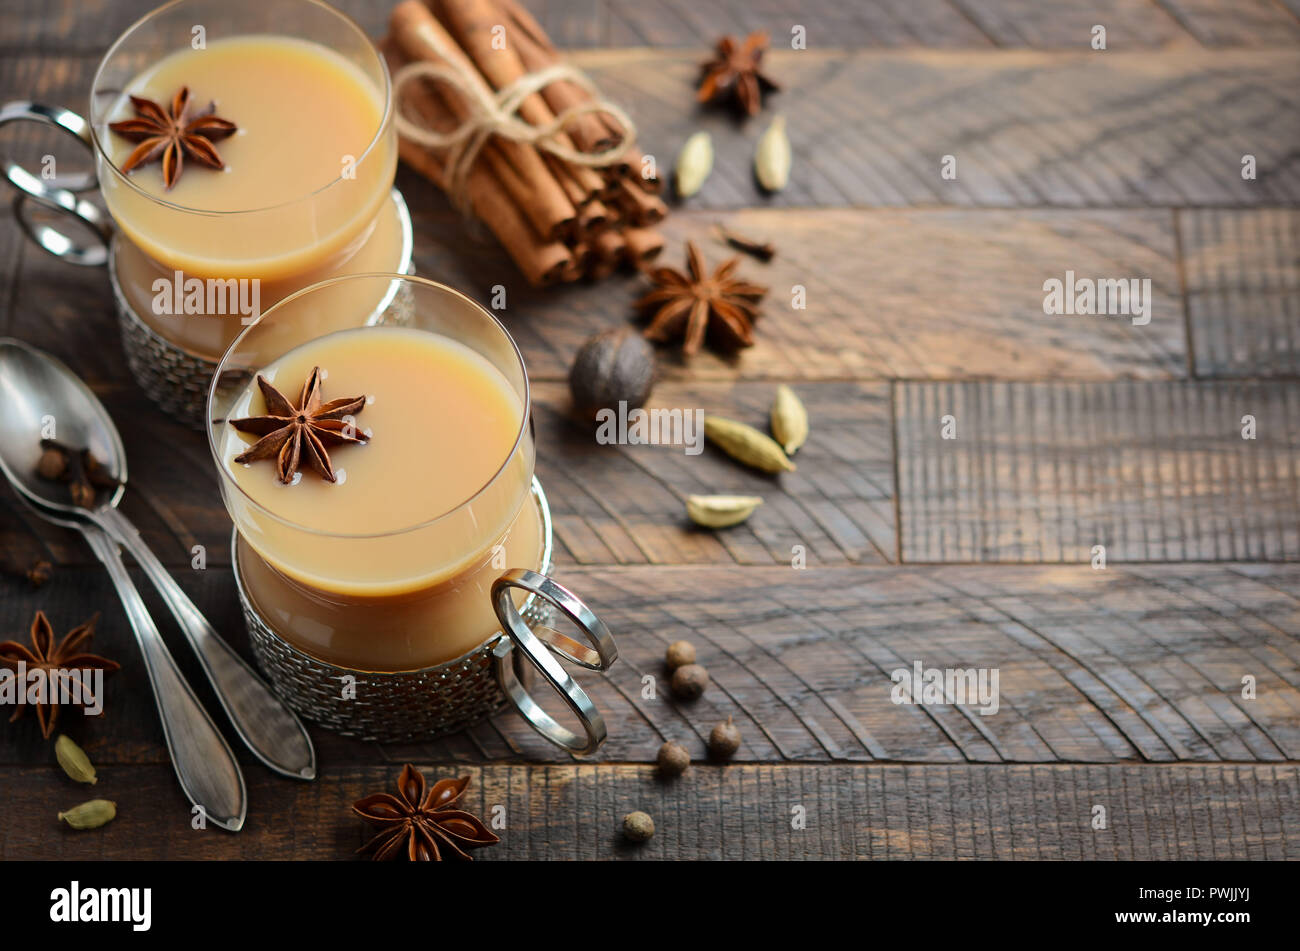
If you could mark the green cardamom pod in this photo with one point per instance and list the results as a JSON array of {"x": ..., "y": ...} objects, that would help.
[
  {"x": 789, "y": 420},
  {"x": 746, "y": 444},
  {"x": 90, "y": 815},
  {"x": 772, "y": 159},
  {"x": 74, "y": 760},
  {"x": 694, "y": 163},
  {"x": 721, "y": 511}
]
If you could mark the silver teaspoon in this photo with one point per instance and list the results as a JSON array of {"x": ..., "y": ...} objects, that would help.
[{"x": 37, "y": 388}]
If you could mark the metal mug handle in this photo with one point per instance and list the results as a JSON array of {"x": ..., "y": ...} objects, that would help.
[
  {"x": 538, "y": 646},
  {"x": 60, "y": 194}
]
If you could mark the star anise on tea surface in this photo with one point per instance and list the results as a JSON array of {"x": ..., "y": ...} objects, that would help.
[
  {"x": 735, "y": 71},
  {"x": 289, "y": 433},
  {"x": 170, "y": 135},
  {"x": 68, "y": 655},
  {"x": 422, "y": 823},
  {"x": 696, "y": 305}
]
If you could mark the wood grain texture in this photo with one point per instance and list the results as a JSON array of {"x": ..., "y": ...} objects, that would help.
[
  {"x": 1067, "y": 24},
  {"x": 737, "y": 813},
  {"x": 1152, "y": 471},
  {"x": 1027, "y": 129},
  {"x": 1237, "y": 22},
  {"x": 1242, "y": 271},
  {"x": 930, "y": 294},
  {"x": 626, "y": 504},
  {"x": 1130, "y": 664},
  {"x": 86, "y": 27},
  {"x": 827, "y": 23}
]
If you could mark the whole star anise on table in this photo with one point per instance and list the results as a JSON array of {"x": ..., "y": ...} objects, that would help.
[
  {"x": 416, "y": 822},
  {"x": 173, "y": 135},
  {"x": 695, "y": 305},
  {"x": 289, "y": 432},
  {"x": 44, "y": 654},
  {"x": 736, "y": 71}
]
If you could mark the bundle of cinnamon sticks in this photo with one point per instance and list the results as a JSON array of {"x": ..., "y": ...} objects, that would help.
[{"x": 559, "y": 220}]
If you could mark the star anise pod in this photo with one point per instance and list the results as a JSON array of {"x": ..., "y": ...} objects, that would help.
[
  {"x": 688, "y": 305},
  {"x": 422, "y": 824},
  {"x": 736, "y": 71},
  {"x": 44, "y": 654},
  {"x": 173, "y": 135},
  {"x": 290, "y": 432}
]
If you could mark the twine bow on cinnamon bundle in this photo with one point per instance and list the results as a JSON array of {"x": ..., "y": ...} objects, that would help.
[{"x": 520, "y": 139}]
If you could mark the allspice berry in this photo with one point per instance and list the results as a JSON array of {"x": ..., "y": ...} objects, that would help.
[
  {"x": 83, "y": 494},
  {"x": 724, "y": 740},
  {"x": 39, "y": 572},
  {"x": 638, "y": 826},
  {"x": 673, "y": 759},
  {"x": 680, "y": 653},
  {"x": 689, "y": 681},
  {"x": 616, "y": 365},
  {"x": 53, "y": 464}
]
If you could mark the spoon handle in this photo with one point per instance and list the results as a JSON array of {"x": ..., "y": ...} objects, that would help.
[
  {"x": 208, "y": 773},
  {"x": 269, "y": 728}
]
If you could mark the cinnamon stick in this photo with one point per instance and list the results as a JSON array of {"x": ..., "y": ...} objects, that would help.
[
  {"x": 608, "y": 249},
  {"x": 641, "y": 207},
  {"x": 471, "y": 23},
  {"x": 535, "y": 52},
  {"x": 519, "y": 168},
  {"x": 592, "y": 217},
  {"x": 642, "y": 244},
  {"x": 542, "y": 261}
]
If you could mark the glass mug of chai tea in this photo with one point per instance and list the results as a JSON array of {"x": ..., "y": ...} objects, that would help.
[
  {"x": 244, "y": 149},
  {"x": 390, "y": 535}
]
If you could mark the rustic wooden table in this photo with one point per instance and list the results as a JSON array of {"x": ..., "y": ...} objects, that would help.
[{"x": 1119, "y": 687}]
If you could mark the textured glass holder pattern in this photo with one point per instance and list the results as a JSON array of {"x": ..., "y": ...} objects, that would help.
[{"x": 393, "y": 707}]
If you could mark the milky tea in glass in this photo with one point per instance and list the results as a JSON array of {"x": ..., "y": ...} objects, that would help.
[
  {"x": 390, "y": 567},
  {"x": 308, "y": 175}
]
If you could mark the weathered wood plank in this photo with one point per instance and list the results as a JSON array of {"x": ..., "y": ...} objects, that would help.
[
  {"x": 914, "y": 294},
  {"x": 1026, "y": 128},
  {"x": 83, "y": 28},
  {"x": 1067, "y": 24},
  {"x": 626, "y": 504},
  {"x": 1152, "y": 471},
  {"x": 87, "y": 27},
  {"x": 1134, "y": 663},
  {"x": 1237, "y": 22},
  {"x": 1029, "y": 129},
  {"x": 1242, "y": 270},
  {"x": 828, "y": 24},
  {"x": 712, "y": 813}
]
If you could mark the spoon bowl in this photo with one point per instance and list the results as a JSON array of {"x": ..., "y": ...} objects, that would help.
[{"x": 44, "y": 399}]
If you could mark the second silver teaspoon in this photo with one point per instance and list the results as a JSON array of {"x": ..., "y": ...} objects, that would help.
[{"x": 50, "y": 390}]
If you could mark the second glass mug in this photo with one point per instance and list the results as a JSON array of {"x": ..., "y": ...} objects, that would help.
[
  {"x": 420, "y": 576},
  {"x": 342, "y": 217}
]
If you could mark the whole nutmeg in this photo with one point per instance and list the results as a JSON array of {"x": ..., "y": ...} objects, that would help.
[
  {"x": 680, "y": 653},
  {"x": 724, "y": 740},
  {"x": 615, "y": 365},
  {"x": 638, "y": 826},
  {"x": 689, "y": 681},
  {"x": 673, "y": 759}
]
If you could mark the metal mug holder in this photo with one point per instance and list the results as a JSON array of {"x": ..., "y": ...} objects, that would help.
[
  {"x": 172, "y": 376},
  {"x": 398, "y": 706}
]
